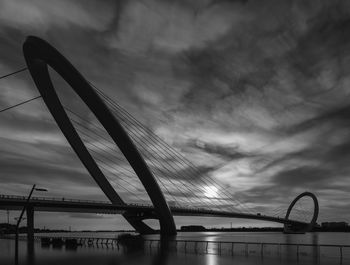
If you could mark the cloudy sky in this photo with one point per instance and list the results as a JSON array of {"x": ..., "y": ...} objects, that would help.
[{"x": 254, "y": 93}]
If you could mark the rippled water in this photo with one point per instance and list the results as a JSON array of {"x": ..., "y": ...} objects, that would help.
[{"x": 190, "y": 253}]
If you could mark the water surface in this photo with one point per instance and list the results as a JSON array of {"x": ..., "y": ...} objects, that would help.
[{"x": 190, "y": 253}]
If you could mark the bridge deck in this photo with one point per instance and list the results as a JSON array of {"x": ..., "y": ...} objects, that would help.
[{"x": 11, "y": 202}]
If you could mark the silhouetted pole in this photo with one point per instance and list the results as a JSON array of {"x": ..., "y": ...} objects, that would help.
[
  {"x": 29, "y": 216},
  {"x": 30, "y": 231}
]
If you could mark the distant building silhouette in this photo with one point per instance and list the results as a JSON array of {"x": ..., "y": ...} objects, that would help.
[
  {"x": 193, "y": 228},
  {"x": 334, "y": 225}
]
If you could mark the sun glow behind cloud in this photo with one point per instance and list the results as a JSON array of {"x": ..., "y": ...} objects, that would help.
[{"x": 211, "y": 192}]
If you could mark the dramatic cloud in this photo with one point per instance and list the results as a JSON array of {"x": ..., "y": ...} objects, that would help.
[{"x": 255, "y": 95}]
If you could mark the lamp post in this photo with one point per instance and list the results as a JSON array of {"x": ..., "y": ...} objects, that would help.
[{"x": 21, "y": 216}]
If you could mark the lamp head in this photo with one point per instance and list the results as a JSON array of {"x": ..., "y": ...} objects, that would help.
[{"x": 41, "y": 189}]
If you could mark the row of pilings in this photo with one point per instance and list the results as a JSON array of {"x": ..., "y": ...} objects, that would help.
[{"x": 129, "y": 242}]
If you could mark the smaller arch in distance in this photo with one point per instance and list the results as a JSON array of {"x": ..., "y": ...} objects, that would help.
[{"x": 316, "y": 210}]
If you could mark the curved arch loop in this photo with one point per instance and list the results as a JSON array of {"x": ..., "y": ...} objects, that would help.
[
  {"x": 314, "y": 217},
  {"x": 39, "y": 54}
]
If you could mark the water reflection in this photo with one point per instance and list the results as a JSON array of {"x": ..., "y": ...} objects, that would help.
[
  {"x": 211, "y": 260},
  {"x": 30, "y": 253},
  {"x": 163, "y": 253},
  {"x": 171, "y": 253},
  {"x": 315, "y": 252}
]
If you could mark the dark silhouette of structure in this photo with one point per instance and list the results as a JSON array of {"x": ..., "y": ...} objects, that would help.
[
  {"x": 58, "y": 205},
  {"x": 302, "y": 228},
  {"x": 39, "y": 54}
]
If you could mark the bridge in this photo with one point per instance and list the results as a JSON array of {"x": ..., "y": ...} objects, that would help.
[
  {"x": 165, "y": 174},
  {"x": 45, "y": 204}
]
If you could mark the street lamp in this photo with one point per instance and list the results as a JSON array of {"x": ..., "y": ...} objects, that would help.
[
  {"x": 40, "y": 189},
  {"x": 21, "y": 216}
]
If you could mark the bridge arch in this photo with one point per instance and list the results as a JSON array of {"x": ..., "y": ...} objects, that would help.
[
  {"x": 38, "y": 55},
  {"x": 311, "y": 225}
]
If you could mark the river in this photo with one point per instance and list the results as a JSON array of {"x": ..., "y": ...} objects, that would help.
[{"x": 188, "y": 252}]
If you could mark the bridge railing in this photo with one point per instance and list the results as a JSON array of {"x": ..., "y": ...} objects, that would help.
[
  {"x": 136, "y": 205},
  {"x": 56, "y": 199},
  {"x": 38, "y": 198},
  {"x": 63, "y": 199}
]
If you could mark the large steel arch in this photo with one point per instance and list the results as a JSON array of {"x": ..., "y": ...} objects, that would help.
[
  {"x": 39, "y": 54},
  {"x": 313, "y": 221}
]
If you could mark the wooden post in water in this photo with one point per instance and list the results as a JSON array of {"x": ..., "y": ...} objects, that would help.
[
  {"x": 297, "y": 252},
  {"x": 279, "y": 250},
  {"x": 341, "y": 253},
  {"x": 319, "y": 253}
]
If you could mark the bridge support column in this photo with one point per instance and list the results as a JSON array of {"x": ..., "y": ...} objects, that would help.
[
  {"x": 136, "y": 220},
  {"x": 30, "y": 227},
  {"x": 140, "y": 226}
]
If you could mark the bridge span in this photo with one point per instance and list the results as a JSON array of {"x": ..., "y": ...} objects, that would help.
[
  {"x": 135, "y": 144},
  {"x": 44, "y": 204}
]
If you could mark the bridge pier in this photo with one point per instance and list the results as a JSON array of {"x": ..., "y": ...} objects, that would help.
[
  {"x": 30, "y": 226},
  {"x": 140, "y": 226}
]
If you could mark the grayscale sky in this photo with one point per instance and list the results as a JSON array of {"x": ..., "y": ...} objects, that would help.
[{"x": 255, "y": 91}]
